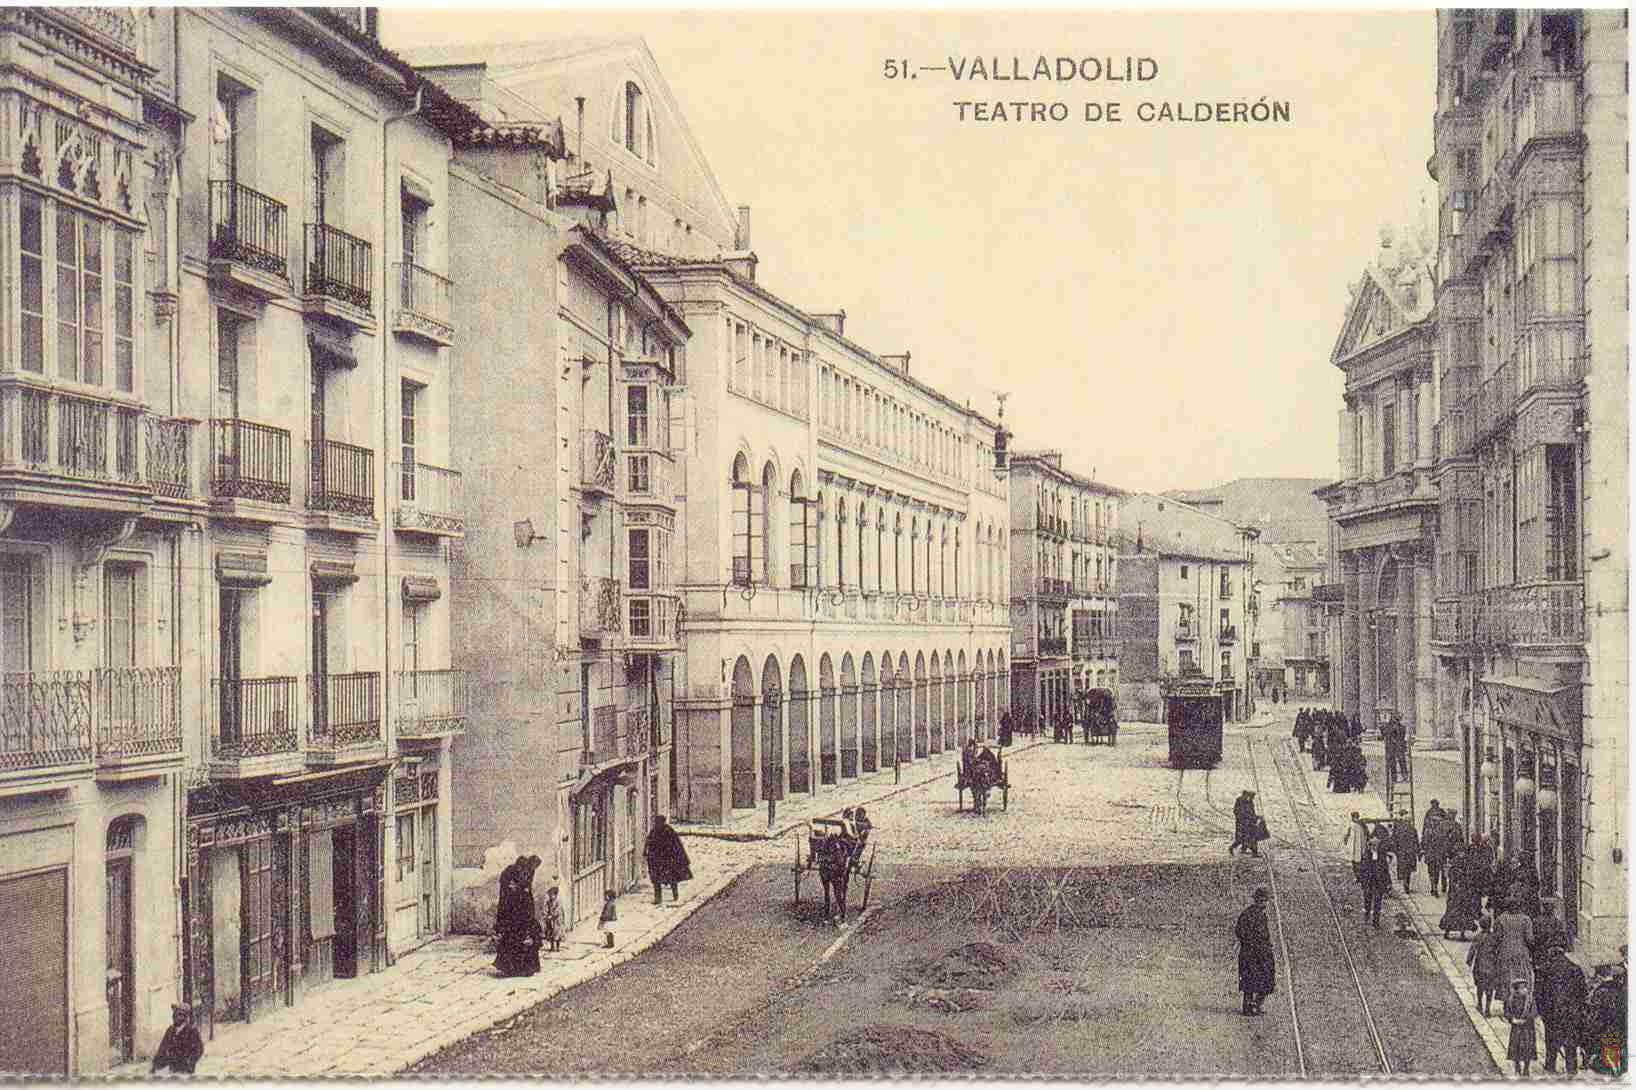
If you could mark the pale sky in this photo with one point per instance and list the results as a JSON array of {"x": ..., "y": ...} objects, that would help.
[{"x": 1160, "y": 300}]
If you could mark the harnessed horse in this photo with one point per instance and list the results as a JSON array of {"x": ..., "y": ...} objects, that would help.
[
  {"x": 834, "y": 867},
  {"x": 984, "y": 775}
]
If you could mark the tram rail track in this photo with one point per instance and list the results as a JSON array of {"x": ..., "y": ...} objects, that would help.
[{"x": 1298, "y": 797}]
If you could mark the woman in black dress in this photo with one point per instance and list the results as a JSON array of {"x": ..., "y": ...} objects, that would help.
[{"x": 1256, "y": 973}]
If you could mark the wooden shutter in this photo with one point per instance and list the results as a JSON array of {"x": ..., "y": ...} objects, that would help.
[{"x": 34, "y": 1001}]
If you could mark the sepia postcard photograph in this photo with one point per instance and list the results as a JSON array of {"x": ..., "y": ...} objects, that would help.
[{"x": 555, "y": 543}]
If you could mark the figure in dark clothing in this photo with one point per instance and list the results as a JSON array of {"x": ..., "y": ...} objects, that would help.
[
  {"x": 1244, "y": 825},
  {"x": 516, "y": 924},
  {"x": 1561, "y": 997},
  {"x": 1320, "y": 750},
  {"x": 666, "y": 859},
  {"x": 1256, "y": 971},
  {"x": 1605, "y": 1029},
  {"x": 1406, "y": 850},
  {"x": 181, "y": 1048},
  {"x": 1376, "y": 877},
  {"x": 1005, "y": 729},
  {"x": 1467, "y": 875}
]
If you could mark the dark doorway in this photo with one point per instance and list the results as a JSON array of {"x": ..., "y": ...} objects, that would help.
[{"x": 346, "y": 902}]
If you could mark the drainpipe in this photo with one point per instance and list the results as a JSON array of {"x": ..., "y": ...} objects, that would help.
[{"x": 386, "y": 480}]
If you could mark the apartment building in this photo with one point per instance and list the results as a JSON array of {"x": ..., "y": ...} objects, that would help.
[
  {"x": 1064, "y": 593},
  {"x": 311, "y": 231},
  {"x": 1290, "y": 656},
  {"x": 99, "y": 510},
  {"x": 1528, "y": 648},
  {"x": 1187, "y": 605}
]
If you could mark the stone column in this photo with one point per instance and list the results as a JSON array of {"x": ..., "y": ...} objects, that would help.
[
  {"x": 1408, "y": 702},
  {"x": 1366, "y": 638},
  {"x": 1423, "y": 421},
  {"x": 1434, "y": 729},
  {"x": 1344, "y": 669}
]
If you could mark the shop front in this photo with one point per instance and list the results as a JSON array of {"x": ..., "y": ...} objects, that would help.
[
  {"x": 1530, "y": 780},
  {"x": 284, "y": 889}
]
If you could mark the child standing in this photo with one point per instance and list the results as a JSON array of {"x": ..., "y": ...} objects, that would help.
[
  {"x": 1484, "y": 959},
  {"x": 1519, "y": 1012},
  {"x": 553, "y": 922}
]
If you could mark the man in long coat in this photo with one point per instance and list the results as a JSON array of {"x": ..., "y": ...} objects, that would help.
[
  {"x": 1244, "y": 826},
  {"x": 666, "y": 859},
  {"x": 1561, "y": 995},
  {"x": 1256, "y": 971}
]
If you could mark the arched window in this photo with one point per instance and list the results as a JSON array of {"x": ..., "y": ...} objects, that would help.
[
  {"x": 743, "y": 524},
  {"x": 803, "y": 535},
  {"x": 897, "y": 554},
  {"x": 840, "y": 543},
  {"x": 880, "y": 549},
  {"x": 769, "y": 488},
  {"x": 957, "y": 561},
  {"x": 636, "y": 121},
  {"x": 863, "y": 526},
  {"x": 914, "y": 545}
]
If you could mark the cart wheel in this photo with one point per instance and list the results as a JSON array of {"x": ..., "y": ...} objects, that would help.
[
  {"x": 796, "y": 870},
  {"x": 869, "y": 876}
]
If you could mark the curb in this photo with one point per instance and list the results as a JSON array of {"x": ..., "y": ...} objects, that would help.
[{"x": 506, "y": 1012}]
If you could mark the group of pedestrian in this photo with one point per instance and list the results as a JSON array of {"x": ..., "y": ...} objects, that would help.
[
  {"x": 1336, "y": 744},
  {"x": 523, "y": 928}
]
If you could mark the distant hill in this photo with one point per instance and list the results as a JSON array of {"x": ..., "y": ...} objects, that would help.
[{"x": 1282, "y": 508}]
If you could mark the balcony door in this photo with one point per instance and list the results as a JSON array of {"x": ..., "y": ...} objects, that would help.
[
  {"x": 318, "y": 430},
  {"x": 16, "y": 616},
  {"x": 120, "y": 967},
  {"x": 229, "y": 658},
  {"x": 320, "y": 664}
]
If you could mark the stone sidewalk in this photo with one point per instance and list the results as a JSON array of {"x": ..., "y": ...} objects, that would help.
[
  {"x": 793, "y": 813},
  {"x": 444, "y": 992}
]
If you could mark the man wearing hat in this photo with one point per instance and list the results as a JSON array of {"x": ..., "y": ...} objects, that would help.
[
  {"x": 1560, "y": 992},
  {"x": 1244, "y": 826},
  {"x": 181, "y": 1048},
  {"x": 1256, "y": 972}
]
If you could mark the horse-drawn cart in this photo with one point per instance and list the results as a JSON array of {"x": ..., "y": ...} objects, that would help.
[
  {"x": 981, "y": 777},
  {"x": 835, "y": 849}
]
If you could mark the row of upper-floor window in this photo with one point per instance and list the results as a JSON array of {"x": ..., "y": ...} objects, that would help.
[
  {"x": 766, "y": 369},
  {"x": 864, "y": 414},
  {"x": 852, "y": 546},
  {"x": 1082, "y": 513}
]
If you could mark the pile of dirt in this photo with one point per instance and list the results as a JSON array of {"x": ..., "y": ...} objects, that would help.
[
  {"x": 942, "y": 1000},
  {"x": 979, "y": 966},
  {"x": 891, "y": 1050}
]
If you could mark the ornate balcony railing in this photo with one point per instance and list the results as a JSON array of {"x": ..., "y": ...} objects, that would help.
[
  {"x": 255, "y": 717},
  {"x": 596, "y": 460},
  {"x": 1229, "y": 634},
  {"x": 73, "y": 436},
  {"x": 1454, "y": 620},
  {"x": 1535, "y": 615},
  {"x": 424, "y": 302},
  {"x": 117, "y": 25},
  {"x": 599, "y": 612},
  {"x": 431, "y": 703},
  {"x": 1186, "y": 630},
  {"x": 138, "y": 712},
  {"x": 1496, "y": 397},
  {"x": 1053, "y": 645},
  {"x": 341, "y": 478},
  {"x": 650, "y": 618},
  {"x": 248, "y": 227},
  {"x": 249, "y": 461},
  {"x": 340, "y": 266},
  {"x": 170, "y": 456},
  {"x": 346, "y": 709},
  {"x": 45, "y": 720},
  {"x": 430, "y": 498}
]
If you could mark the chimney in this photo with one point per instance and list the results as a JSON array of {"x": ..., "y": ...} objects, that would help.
[
  {"x": 900, "y": 362},
  {"x": 835, "y": 323},
  {"x": 742, "y": 265},
  {"x": 741, "y": 234}
]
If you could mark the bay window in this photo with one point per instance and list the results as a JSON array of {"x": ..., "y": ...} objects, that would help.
[{"x": 88, "y": 315}]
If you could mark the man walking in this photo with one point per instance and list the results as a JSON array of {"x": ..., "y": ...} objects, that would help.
[
  {"x": 666, "y": 859},
  {"x": 1561, "y": 995},
  {"x": 1357, "y": 839},
  {"x": 1244, "y": 825},
  {"x": 1256, "y": 971},
  {"x": 1377, "y": 879}
]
